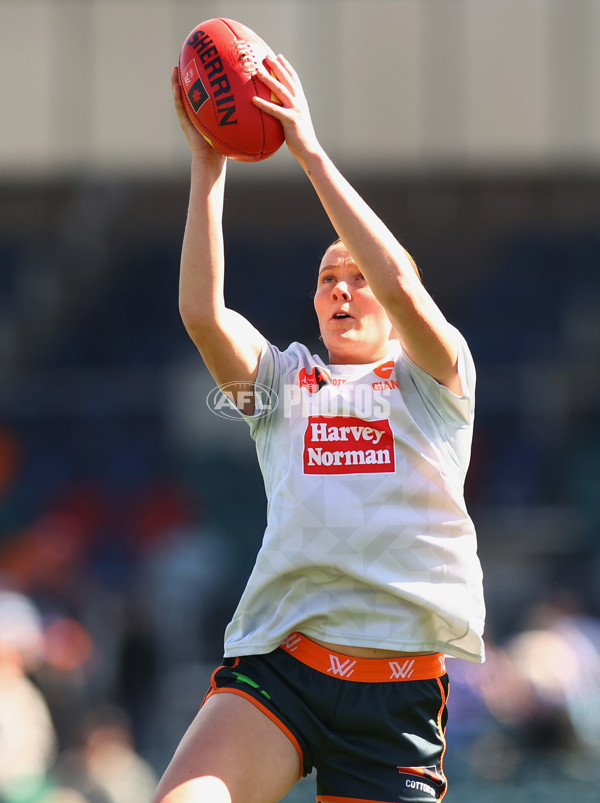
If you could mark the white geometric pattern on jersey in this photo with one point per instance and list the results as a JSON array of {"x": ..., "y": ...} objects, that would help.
[{"x": 337, "y": 561}]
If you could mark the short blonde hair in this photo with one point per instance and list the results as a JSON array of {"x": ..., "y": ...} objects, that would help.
[{"x": 416, "y": 268}]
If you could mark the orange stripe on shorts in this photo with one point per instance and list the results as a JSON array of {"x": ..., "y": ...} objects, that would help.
[{"x": 363, "y": 670}]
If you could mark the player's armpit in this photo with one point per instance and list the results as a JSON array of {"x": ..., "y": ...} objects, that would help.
[{"x": 230, "y": 347}]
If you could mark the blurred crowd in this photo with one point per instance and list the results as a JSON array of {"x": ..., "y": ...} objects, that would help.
[
  {"x": 56, "y": 744},
  {"x": 111, "y": 616},
  {"x": 71, "y": 731},
  {"x": 524, "y": 725}
]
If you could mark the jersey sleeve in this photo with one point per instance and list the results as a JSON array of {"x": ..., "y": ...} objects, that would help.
[
  {"x": 274, "y": 369},
  {"x": 455, "y": 410}
]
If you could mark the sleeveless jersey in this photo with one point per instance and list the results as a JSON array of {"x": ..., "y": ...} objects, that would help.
[{"x": 368, "y": 541}]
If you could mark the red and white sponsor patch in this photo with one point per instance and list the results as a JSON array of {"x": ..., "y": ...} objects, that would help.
[
  {"x": 348, "y": 445},
  {"x": 314, "y": 381}
]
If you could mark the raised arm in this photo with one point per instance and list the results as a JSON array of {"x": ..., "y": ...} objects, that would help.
[
  {"x": 230, "y": 346},
  {"x": 424, "y": 332}
]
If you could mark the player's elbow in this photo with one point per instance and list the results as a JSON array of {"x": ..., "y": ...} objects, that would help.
[{"x": 199, "y": 320}]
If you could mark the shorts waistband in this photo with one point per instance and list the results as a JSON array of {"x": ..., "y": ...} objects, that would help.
[{"x": 363, "y": 670}]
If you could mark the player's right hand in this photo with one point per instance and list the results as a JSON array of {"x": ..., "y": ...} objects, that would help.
[{"x": 200, "y": 147}]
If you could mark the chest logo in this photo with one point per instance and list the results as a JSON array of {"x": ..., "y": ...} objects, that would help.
[
  {"x": 384, "y": 371},
  {"x": 314, "y": 380},
  {"x": 348, "y": 445}
]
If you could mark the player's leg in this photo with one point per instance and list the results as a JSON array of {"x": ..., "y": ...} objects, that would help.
[{"x": 232, "y": 753}]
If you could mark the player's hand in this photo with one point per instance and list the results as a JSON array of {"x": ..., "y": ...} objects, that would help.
[
  {"x": 292, "y": 110},
  {"x": 200, "y": 147}
]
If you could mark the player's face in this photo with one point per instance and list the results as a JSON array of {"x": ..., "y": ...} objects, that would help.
[{"x": 354, "y": 326}]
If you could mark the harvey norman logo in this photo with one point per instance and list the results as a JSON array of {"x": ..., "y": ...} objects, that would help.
[{"x": 348, "y": 445}]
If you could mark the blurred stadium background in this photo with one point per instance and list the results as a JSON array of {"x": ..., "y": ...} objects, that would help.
[{"x": 130, "y": 515}]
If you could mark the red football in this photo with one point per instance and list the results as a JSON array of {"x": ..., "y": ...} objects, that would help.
[{"x": 217, "y": 75}]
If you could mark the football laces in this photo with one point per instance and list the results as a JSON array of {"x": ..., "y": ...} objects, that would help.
[{"x": 246, "y": 55}]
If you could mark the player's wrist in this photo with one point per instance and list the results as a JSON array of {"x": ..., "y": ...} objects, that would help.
[
  {"x": 311, "y": 157},
  {"x": 208, "y": 163}
]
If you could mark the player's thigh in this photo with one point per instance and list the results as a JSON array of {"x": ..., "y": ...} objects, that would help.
[{"x": 231, "y": 753}]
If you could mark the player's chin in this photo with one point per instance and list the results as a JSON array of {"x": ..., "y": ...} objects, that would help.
[
  {"x": 332, "y": 334},
  {"x": 342, "y": 325}
]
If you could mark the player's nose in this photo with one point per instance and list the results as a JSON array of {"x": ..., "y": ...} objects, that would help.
[{"x": 340, "y": 290}]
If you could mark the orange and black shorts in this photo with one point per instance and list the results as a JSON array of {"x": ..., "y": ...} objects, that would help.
[{"x": 373, "y": 729}]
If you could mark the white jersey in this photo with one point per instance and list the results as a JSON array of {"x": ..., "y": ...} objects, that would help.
[{"x": 368, "y": 540}]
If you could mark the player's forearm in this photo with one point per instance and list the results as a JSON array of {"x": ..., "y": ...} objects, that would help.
[
  {"x": 374, "y": 248},
  {"x": 389, "y": 271},
  {"x": 202, "y": 257}
]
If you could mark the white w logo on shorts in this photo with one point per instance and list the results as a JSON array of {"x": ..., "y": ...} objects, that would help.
[
  {"x": 290, "y": 643},
  {"x": 341, "y": 668},
  {"x": 404, "y": 670}
]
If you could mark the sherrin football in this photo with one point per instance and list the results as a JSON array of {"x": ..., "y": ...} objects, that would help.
[{"x": 217, "y": 76}]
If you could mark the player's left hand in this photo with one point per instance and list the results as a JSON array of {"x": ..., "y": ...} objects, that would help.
[{"x": 292, "y": 110}]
